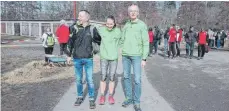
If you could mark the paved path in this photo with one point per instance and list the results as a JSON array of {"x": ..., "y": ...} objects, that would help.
[{"x": 150, "y": 100}]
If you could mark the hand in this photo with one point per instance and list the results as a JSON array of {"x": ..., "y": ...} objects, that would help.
[
  {"x": 143, "y": 63},
  {"x": 69, "y": 60}
]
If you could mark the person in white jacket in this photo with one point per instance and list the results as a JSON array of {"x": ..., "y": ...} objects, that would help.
[
  {"x": 48, "y": 42},
  {"x": 211, "y": 38}
]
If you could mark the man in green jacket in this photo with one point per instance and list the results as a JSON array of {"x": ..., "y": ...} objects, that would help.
[{"x": 135, "y": 49}]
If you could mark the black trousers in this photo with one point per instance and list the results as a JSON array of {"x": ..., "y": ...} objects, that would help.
[
  {"x": 209, "y": 42},
  {"x": 150, "y": 47},
  {"x": 201, "y": 50},
  {"x": 222, "y": 42},
  {"x": 171, "y": 48},
  {"x": 48, "y": 50},
  {"x": 216, "y": 42},
  {"x": 178, "y": 48},
  {"x": 155, "y": 45},
  {"x": 63, "y": 47}
]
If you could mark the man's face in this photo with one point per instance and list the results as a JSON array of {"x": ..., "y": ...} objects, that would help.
[
  {"x": 192, "y": 29},
  {"x": 133, "y": 12},
  {"x": 83, "y": 17}
]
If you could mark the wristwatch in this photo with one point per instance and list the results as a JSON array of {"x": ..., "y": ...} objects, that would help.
[{"x": 144, "y": 59}]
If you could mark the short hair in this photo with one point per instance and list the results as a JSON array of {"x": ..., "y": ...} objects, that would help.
[
  {"x": 133, "y": 5},
  {"x": 150, "y": 29},
  {"x": 62, "y": 21},
  {"x": 87, "y": 13}
]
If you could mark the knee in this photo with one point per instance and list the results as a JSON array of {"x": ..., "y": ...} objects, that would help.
[
  {"x": 103, "y": 77},
  {"x": 126, "y": 75},
  {"x": 89, "y": 80},
  {"x": 78, "y": 80},
  {"x": 137, "y": 80},
  {"x": 112, "y": 78}
]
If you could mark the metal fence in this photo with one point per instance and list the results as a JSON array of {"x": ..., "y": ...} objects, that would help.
[{"x": 33, "y": 28}]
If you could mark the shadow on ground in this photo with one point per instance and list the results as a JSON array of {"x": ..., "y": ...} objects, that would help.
[{"x": 41, "y": 96}]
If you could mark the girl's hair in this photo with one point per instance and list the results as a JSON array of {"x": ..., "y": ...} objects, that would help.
[{"x": 112, "y": 17}]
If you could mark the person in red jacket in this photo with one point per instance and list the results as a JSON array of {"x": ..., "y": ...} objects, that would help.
[
  {"x": 172, "y": 40},
  {"x": 178, "y": 40},
  {"x": 150, "y": 32},
  {"x": 62, "y": 34},
  {"x": 202, "y": 39}
]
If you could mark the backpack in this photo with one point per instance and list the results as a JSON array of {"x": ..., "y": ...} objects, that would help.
[
  {"x": 96, "y": 47},
  {"x": 50, "y": 41}
]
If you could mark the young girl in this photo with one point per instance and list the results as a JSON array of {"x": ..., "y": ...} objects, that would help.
[
  {"x": 48, "y": 43},
  {"x": 109, "y": 57}
]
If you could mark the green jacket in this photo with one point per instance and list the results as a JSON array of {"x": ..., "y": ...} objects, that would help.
[
  {"x": 109, "y": 44},
  {"x": 135, "y": 39}
]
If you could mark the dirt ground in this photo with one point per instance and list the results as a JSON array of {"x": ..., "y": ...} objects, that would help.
[{"x": 35, "y": 87}]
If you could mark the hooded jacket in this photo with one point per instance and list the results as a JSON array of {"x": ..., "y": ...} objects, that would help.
[
  {"x": 150, "y": 36},
  {"x": 135, "y": 39},
  {"x": 80, "y": 42},
  {"x": 110, "y": 43},
  {"x": 202, "y": 37},
  {"x": 190, "y": 36},
  {"x": 63, "y": 33},
  {"x": 172, "y": 35}
]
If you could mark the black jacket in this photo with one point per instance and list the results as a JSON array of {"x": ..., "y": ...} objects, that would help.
[
  {"x": 157, "y": 34},
  {"x": 223, "y": 36},
  {"x": 190, "y": 37},
  {"x": 166, "y": 34},
  {"x": 80, "y": 44}
]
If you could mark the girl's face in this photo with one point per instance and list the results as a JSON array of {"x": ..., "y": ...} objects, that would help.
[{"x": 110, "y": 23}]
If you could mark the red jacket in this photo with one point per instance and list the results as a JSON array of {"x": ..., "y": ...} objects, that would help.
[
  {"x": 150, "y": 36},
  {"x": 180, "y": 35},
  {"x": 62, "y": 33},
  {"x": 172, "y": 35},
  {"x": 202, "y": 37}
]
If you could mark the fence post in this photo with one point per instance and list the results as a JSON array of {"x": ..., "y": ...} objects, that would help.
[
  {"x": 40, "y": 30},
  {"x": 30, "y": 31},
  {"x": 13, "y": 28},
  {"x": 6, "y": 27},
  {"x": 20, "y": 28},
  {"x": 52, "y": 27}
]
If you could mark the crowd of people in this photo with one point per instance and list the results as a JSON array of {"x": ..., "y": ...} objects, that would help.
[
  {"x": 174, "y": 35},
  {"x": 81, "y": 41}
]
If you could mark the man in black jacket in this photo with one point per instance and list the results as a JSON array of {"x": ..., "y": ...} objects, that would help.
[
  {"x": 190, "y": 39},
  {"x": 223, "y": 37},
  {"x": 166, "y": 38},
  {"x": 80, "y": 46},
  {"x": 156, "y": 39}
]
